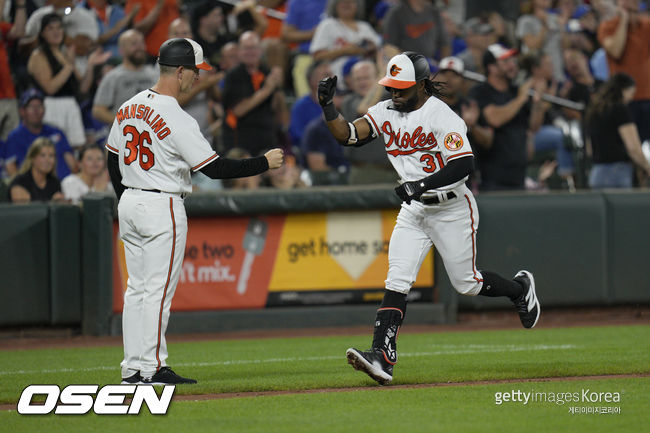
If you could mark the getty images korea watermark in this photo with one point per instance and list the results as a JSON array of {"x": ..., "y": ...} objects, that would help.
[
  {"x": 585, "y": 401},
  {"x": 106, "y": 400}
]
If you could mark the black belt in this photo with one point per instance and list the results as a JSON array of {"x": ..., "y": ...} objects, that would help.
[
  {"x": 182, "y": 195},
  {"x": 435, "y": 199}
]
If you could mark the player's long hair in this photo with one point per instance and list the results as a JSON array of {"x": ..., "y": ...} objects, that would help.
[
  {"x": 609, "y": 95},
  {"x": 433, "y": 87}
]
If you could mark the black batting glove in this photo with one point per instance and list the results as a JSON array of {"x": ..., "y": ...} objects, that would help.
[
  {"x": 410, "y": 191},
  {"x": 326, "y": 90}
]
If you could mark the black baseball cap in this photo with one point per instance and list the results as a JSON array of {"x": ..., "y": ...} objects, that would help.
[{"x": 182, "y": 52}]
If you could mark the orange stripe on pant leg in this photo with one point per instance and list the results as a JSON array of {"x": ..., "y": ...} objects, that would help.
[
  {"x": 169, "y": 274},
  {"x": 471, "y": 216}
]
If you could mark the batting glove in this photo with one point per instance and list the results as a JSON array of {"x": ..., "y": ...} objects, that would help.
[
  {"x": 326, "y": 90},
  {"x": 410, "y": 191}
]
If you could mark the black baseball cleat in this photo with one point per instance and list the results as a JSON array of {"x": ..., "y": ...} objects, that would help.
[
  {"x": 527, "y": 304},
  {"x": 371, "y": 362},
  {"x": 166, "y": 376},
  {"x": 136, "y": 379}
]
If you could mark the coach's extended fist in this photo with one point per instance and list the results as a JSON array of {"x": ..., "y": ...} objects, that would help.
[
  {"x": 275, "y": 157},
  {"x": 326, "y": 90},
  {"x": 410, "y": 191}
]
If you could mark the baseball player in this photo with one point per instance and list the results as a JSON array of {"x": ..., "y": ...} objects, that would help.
[
  {"x": 153, "y": 146},
  {"x": 427, "y": 144}
]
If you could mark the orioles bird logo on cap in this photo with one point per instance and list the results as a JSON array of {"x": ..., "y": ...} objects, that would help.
[{"x": 394, "y": 70}]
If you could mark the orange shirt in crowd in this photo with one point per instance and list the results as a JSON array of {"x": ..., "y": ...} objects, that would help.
[
  {"x": 159, "y": 32},
  {"x": 7, "y": 90},
  {"x": 635, "y": 60},
  {"x": 274, "y": 28}
]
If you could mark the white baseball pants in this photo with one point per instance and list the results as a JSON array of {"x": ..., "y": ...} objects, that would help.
[
  {"x": 451, "y": 226},
  {"x": 153, "y": 227}
]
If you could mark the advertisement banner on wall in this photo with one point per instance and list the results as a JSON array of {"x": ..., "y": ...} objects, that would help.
[{"x": 252, "y": 262}]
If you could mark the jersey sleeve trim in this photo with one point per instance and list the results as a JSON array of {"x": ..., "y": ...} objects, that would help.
[
  {"x": 460, "y": 155},
  {"x": 200, "y": 165},
  {"x": 112, "y": 149},
  {"x": 377, "y": 131}
]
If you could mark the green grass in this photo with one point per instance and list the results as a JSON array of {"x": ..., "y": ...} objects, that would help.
[
  {"x": 312, "y": 363},
  {"x": 445, "y": 409}
]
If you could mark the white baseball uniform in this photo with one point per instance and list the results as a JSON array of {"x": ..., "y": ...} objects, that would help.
[
  {"x": 158, "y": 144},
  {"x": 419, "y": 143}
]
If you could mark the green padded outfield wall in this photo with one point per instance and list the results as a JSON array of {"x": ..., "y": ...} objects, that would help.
[
  {"x": 24, "y": 265},
  {"x": 65, "y": 264}
]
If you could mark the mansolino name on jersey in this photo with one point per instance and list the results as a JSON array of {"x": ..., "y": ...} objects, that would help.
[
  {"x": 146, "y": 113},
  {"x": 80, "y": 399}
]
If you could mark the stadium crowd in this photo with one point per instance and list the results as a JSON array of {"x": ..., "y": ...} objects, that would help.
[{"x": 555, "y": 93}]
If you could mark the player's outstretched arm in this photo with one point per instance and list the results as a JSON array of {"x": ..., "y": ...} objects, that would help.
[
  {"x": 226, "y": 168},
  {"x": 356, "y": 133}
]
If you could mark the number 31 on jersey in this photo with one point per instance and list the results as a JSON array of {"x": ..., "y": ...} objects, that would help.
[{"x": 430, "y": 161}]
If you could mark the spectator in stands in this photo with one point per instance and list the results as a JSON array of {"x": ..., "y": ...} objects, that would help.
[
  {"x": 542, "y": 31},
  {"x": 53, "y": 71},
  {"x": 507, "y": 110},
  {"x": 9, "y": 33},
  {"x": 582, "y": 29},
  {"x": 416, "y": 25},
  {"x": 307, "y": 108},
  {"x": 504, "y": 30},
  {"x": 341, "y": 35},
  {"x": 210, "y": 30},
  {"x": 253, "y": 100},
  {"x": 581, "y": 84},
  {"x": 614, "y": 138},
  {"x": 111, "y": 21},
  {"x": 180, "y": 28},
  {"x": 478, "y": 35},
  {"x": 36, "y": 180},
  {"x": 625, "y": 39},
  {"x": 128, "y": 79},
  {"x": 324, "y": 156},
  {"x": 248, "y": 18},
  {"x": 299, "y": 27},
  {"x": 550, "y": 137},
  {"x": 450, "y": 72},
  {"x": 369, "y": 163},
  {"x": 153, "y": 20},
  {"x": 251, "y": 182},
  {"x": 92, "y": 176},
  {"x": 32, "y": 112},
  {"x": 72, "y": 15},
  {"x": 82, "y": 41}
]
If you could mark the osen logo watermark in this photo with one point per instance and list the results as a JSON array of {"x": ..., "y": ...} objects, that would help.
[{"x": 107, "y": 400}]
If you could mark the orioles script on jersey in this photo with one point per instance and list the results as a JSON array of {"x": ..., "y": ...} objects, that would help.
[
  {"x": 146, "y": 113},
  {"x": 408, "y": 142}
]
